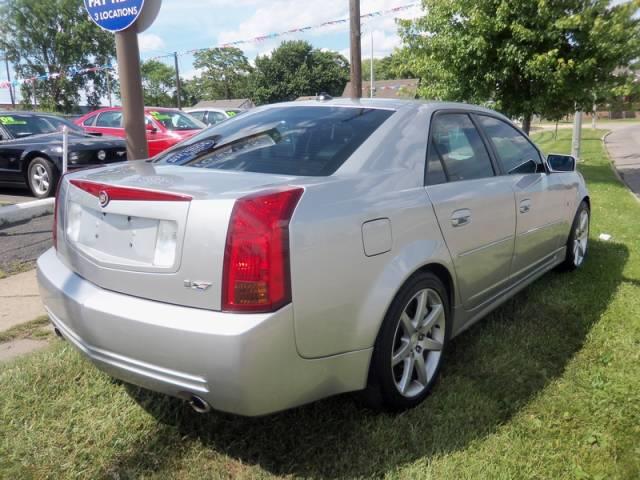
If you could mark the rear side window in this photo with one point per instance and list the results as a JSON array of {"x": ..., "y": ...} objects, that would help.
[
  {"x": 112, "y": 119},
  {"x": 306, "y": 141},
  {"x": 457, "y": 149},
  {"x": 515, "y": 151},
  {"x": 198, "y": 115},
  {"x": 89, "y": 121}
]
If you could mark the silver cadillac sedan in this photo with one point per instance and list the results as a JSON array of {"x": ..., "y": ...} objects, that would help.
[{"x": 307, "y": 249}]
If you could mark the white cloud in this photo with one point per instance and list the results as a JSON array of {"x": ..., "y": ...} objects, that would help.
[{"x": 150, "y": 42}]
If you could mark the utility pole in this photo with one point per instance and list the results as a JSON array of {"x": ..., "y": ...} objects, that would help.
[
  {"x": 577, "y": 133},
  {"x": 178, "y": 86},
  {"x": 356, "y": 49},
  {"x": 108, "y": 72},
  {"x": 6, "y": 64},
  {"x": 372, "y": 84}
]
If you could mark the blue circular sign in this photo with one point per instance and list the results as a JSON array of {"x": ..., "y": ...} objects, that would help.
[{"x": 114, "y": 15}]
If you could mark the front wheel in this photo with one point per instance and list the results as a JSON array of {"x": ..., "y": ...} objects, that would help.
[
  {"x": 410, "y": 346},
  {"x": 578, "y": 239},
  {"x": 42, "y": 177}
]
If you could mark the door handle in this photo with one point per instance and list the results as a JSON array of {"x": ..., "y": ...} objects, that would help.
[
  {"x": 525, "y": 205},
  {"x": 461, "y": 217}
]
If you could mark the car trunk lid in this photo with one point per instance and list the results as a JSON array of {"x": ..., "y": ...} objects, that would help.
[{"x": 156, "y": 232}]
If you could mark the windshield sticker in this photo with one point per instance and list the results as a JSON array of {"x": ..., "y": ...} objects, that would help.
[
  {"x": 231, "y": 113},
  {"x": 11, "y": 121},
  {"x": 160, "y": 116},
  {"x": 189, "y": 153}
]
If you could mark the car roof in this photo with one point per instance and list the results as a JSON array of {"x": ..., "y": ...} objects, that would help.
[{"x": 391, "y": 104}]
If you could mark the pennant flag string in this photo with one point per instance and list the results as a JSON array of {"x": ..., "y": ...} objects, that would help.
[
  {"x": 69, "y": 73},
  {"x": 292, "y": 31}
]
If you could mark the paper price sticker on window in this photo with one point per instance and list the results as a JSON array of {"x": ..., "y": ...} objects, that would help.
[{"x": 11, "y": 121}]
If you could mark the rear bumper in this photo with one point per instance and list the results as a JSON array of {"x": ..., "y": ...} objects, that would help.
[{"x": 242, "y": 364}]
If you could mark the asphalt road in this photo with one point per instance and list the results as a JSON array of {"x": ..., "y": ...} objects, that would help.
[
  {"x": 10, "y": 196},
  {"x": 623, "y": 145},
  {"x": 22, "y": 244}
]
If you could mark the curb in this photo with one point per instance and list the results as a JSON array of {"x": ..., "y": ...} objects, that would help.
[
  {"x": 22, "y": 212},
  {"x": 612, "y": 164}
]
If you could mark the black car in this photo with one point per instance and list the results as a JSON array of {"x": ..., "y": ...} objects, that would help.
[{"x": 31, "y": 150}]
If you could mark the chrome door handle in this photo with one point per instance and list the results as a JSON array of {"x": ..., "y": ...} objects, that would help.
[
  {"x": 461, "y": 217},
  {"x": 525, "y": 206}
]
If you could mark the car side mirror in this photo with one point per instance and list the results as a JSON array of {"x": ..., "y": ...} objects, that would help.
[{"x": 561, "y": 163}]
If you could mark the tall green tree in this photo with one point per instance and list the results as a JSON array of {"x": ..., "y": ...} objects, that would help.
[
  {"x": 386, "y": 68},
  {"x": 158, "y": 84},
  {"x": 46, "y": 37},
  {"x": 297, "y": 69},
  {"x": 526, "y": 57},
  {"x": 224, "y": 74}
]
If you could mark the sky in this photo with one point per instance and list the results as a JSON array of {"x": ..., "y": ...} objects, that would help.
[{"x": 189, "y": 24}]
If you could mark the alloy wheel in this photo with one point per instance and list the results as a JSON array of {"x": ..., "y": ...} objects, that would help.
[
  {"x": 40, "y": 179},
  {"x": 418, "y": 342},
  {"x": 581, "y": 238}
]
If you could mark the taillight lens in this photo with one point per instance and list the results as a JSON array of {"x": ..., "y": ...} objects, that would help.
[{"x": 256, "y": 276}]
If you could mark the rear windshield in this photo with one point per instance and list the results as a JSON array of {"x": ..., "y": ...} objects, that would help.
[
  {"x": 26, "y": 125},
  {"x": 306, "y": 141}
]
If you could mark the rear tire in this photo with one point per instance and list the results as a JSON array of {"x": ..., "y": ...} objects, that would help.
[
  {"x": 42, "y": 177},
  {"x": 410, "y": 347},
  {"x": 578, "y": 242}
]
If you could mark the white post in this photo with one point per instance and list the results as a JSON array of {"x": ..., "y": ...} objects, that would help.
[
  {"x": 371, "y": 79},
  {"x": 65, "y": 149},
  {"x": 577, "y": 133}
]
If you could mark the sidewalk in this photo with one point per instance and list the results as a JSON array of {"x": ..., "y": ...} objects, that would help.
[
  {"x": 19, "y": 300},
  {"x": 623, "y": 145}
]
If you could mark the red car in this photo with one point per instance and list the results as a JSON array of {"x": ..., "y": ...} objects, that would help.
[{"x": 165, "y": 126}]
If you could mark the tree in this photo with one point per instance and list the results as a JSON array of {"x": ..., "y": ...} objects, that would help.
[
  {"x": 297, "y": 69},
  {"x": 224, "y": 72},
  {"x": 158, "y": 84},
  {"x": 52, "y": 37},
  {"x": 527, "y": 57},
  {"x": 387, "y": 68}
]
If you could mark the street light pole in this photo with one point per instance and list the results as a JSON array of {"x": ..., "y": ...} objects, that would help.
[
  {"x": 178, "y": 86},
  {"x": 6, "y": 64},
  {"x": 372, "y": 85},
  {"x": 356, "y": 49}
]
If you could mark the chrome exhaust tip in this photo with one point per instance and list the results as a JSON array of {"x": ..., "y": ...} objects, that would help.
[{"x": 198, "y": 404}]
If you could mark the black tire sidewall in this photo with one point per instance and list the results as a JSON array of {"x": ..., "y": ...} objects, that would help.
[
  {"x": 381, "y": 377},
  {"x": 51, "y": 171}
]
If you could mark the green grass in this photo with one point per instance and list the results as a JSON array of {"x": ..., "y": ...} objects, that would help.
[
  {"x": 37, "y": 329},
  {"x": 548, "y": 386}
]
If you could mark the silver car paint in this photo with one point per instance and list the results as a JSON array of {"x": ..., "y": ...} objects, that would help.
[{"x": 340, "y": 290}]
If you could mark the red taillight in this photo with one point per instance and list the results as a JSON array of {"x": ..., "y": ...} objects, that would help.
[
  {"x": 129, "y": 193},
  {"x": 256, "y": 276}
]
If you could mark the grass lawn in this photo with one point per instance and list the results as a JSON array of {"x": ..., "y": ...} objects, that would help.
[{"x": 548, "y": 386}]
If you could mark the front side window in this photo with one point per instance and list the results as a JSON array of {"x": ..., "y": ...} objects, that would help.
[
  {"x": 175, "y": 120},
  {"x": 307, "y": 141},
  {"x": 456, "y": 143},
  {"x": 111, "y": 119},
  {"x": 515, "y": 152}
]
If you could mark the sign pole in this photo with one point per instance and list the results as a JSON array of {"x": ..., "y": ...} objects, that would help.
[{"x": 128, "y": 54}]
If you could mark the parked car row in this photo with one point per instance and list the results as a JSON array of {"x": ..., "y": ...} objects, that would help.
[
  {"x": 31, "y": 150},
  {"x": 31, "y": 143}
]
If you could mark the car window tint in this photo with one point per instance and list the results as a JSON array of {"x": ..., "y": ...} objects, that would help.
[
  {"x": 456, "y": 141},
  {"x": 435, "y": 170},
  {"x": 89, "y": 121},
  {"x": 217, "y": 117},
  {"x": 312, "y": 141},
  {"x": 111, "y": 119},
  {"x": 514, "y": 150}
]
